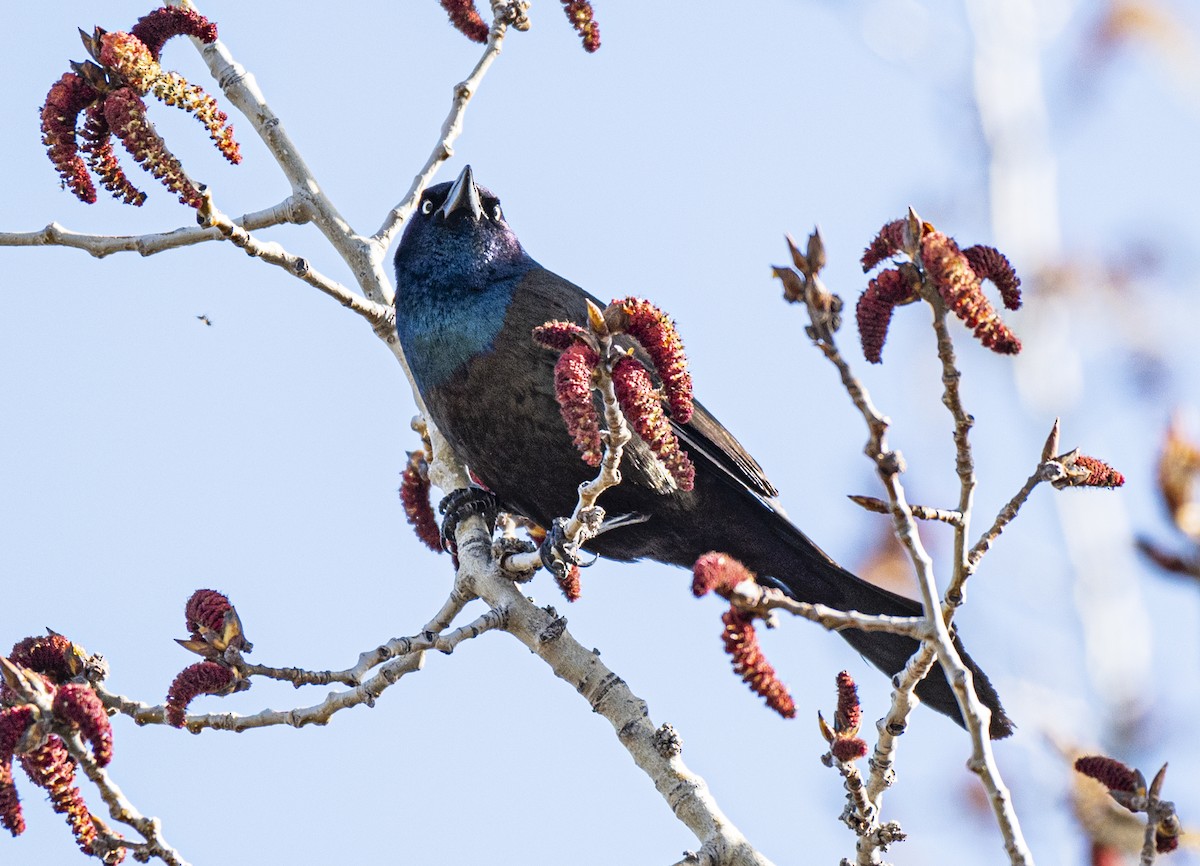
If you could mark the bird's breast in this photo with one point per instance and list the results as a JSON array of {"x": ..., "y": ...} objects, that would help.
[{"x": 443, "y": 331}]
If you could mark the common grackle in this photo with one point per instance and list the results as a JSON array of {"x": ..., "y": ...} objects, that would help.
[{"x": 467, "y": 299}]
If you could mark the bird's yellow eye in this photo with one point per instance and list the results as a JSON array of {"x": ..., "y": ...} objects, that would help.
[
  {"x": 427, "y": 206},
  {"x": 497, "y": 215}
]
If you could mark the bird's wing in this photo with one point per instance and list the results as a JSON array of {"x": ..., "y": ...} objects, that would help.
[
  {"x": 703, "y": 435},
  {"x": 708, "y": 436}
]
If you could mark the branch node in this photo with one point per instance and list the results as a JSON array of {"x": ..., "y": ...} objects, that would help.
[
  {"x": 554, "y": 630},
  {"x": 667, "y": 741}
]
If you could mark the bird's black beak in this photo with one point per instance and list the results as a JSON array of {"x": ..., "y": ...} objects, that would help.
[{"x": 463, "y": 196}]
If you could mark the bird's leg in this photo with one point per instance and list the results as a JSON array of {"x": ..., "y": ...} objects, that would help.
[{"x": 461, "y": 504}]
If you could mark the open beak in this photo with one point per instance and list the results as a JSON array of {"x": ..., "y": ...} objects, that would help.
[{"x": 463, "y": 196}]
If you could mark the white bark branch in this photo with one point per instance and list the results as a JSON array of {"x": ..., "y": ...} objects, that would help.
[
  {"x": 287, "y": 211},
  {"x": 608, "y": 695},
  {"x": 380, "y": 316},
  {"x": 753, "y": 597},
  {"x": 121, "y": 809},
  {"x": 241, "y": 89},
  {"x": 402, "y": 656}
]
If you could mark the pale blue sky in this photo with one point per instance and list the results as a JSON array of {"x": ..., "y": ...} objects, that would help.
[{"x": 143, "y": 455}]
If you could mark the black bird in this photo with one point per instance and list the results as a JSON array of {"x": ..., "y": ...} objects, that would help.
[{"x": 467, "y": 299}]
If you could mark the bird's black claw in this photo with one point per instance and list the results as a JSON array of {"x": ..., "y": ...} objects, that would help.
[
  {"x": 461, "y": 504},
  {"x": 557, "y": 552}
]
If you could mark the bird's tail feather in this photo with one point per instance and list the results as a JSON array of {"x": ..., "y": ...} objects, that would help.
[{"x": 808, "y": 574}]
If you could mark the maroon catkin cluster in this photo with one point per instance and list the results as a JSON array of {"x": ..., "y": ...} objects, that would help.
[
  {"x": 741, "y": 643},
  {"x": 465, "y": 18},
  {"x": 887, "y": 244},
  {"x": 959, "y": 286},
  {"x": 160, "y": 25},
  {"x": 569, "y": 583},
  {"x": 415, "y": 497},
  {"x": 50, "y": 767},
  {"x": 956, "y": 275},
  {"x": 1100, "y": 474},
  {"x": 202, "y": 678},
  {"x": 888, "y": 290},
  {"x": 639, "y": 397},
  {"x": 718, "y": 572},
  {"x": 14, "y": 722},
  {"x": 844, "y": 743},
  {"x": 52, "y": 656},
  {"x": 78, "y": 705},
  {"x": 656, "y": 333},
  {"x": 573, "y": 388},
  {"x": 583, "y": 19},
  {"x": 1109, "y": 772},
  {"x": 640, "y": 403},
  {"x": 108, "y": 91},
  {"x": 206, "y": 609}
]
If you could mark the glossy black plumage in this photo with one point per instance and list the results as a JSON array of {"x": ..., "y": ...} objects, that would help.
[{"x": 467, "y": 299}]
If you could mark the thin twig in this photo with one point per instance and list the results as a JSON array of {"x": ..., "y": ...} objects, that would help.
[
  {"x": 893, "y": 725},
  {"x": 121, "y": 809},
  {"x": 287, "y": 211},
  {"x": 1049, "y": 469},
  {"x": 578, "y": 528},
  {"x": 976, "y": 716},
  {"x": 1005, "y": 516},
  {"x": 889, "y": 465},
  {"x": 241, "y": 89},
  {"x": 449, "y": 611},
  {"x": 861, "y": 815},
  {"x": 617, "y": 435},
  {"x": 402, "y": 656},
  {"x": 964, "y": 462},
  {"x": 921, "y": 512},
  {"x": 379, "y": 315},
  {"x": 451, "y": 129},
  {"x": 318, "y": 714},
  {"x": 904, "y": 698},
  {"x": 752, "y": 597}
]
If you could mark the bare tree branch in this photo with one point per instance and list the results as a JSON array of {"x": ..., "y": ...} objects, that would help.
[
  {"x": 287, "y": 211},
  {"x": 121, "y": 809},
  {"x": 451, "y": 129},
  {"x": 607, "y": 694},
  {"x": 379, "y": 315},
  {"x": 889, "y": 464}
]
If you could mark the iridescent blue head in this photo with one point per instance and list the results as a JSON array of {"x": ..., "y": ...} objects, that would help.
[
  {"x": 457, "y": 266},
  {"x": 457, "y": 240}
]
